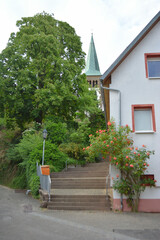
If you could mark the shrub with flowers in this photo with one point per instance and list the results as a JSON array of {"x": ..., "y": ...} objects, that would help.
[{"x": 130, "y": 160}]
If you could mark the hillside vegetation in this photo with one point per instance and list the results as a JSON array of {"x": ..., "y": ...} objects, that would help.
[{"x": 42, "y": 85}]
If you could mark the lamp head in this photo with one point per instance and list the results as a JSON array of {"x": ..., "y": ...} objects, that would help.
[{"x": 44, "y": 134}]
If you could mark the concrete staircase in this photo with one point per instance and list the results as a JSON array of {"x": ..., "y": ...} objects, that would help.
[{"x": 80, "y": 188}]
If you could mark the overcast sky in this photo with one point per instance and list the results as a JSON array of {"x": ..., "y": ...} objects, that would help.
[{"x": 114, "y": 23}]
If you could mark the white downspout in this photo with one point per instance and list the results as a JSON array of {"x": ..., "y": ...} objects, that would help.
[{"x": 115, "y": 90}]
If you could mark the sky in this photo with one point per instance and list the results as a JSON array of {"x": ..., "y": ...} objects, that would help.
[{"x": 114, "y": 23}]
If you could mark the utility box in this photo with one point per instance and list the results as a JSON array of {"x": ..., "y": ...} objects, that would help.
[{"x": 45, "y": 170}]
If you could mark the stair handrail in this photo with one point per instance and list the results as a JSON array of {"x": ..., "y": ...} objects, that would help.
[
  {"x": 45, "y": 181},
  {"x": 107, "y": 186}
]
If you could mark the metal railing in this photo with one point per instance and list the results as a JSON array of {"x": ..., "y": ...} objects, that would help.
[
  {"x": 107, "y": 185},
  {"x": 45, "y": 181}
]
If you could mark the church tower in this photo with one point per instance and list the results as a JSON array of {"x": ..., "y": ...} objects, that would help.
[{"x": 92, "y": 70}]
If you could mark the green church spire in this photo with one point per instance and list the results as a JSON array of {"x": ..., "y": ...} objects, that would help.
[{"x": 92, "y": 66}]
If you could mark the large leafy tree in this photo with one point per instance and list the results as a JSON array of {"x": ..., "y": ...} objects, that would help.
[{"x": 41, "y": 72}]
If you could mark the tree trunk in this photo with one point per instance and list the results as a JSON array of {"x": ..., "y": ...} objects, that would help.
[{"x": 136, "y": 202}]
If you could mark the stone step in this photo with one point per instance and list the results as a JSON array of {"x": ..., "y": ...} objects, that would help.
[
  {"x": 78, "y": 187},
  {"x": 74, "y": 183},
  {"x": 90, "y": 197},
  {"x": 81, "y": 169},
  {"x": 78, "y": 174},
  {"x": 78, "y": 178},
  {"x": 80, "y": 183},
  {"x": 104, "y": 163},
  {"x": 85, "y": 179},
  {"x": 78, "y": 198},
  {"x": 77, "y": 208},
  {"x": 82, "y": 192},
  {"x": 86, "y": 170},
  {"x": 94, "y": 164},
  {"x": 60, "y": 204}
]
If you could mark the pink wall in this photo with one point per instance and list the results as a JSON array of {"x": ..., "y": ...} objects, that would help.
[{"x": 145, "y": 205}]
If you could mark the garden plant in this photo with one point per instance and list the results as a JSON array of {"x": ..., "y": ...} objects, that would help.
[{"x": 117, "y": 143}]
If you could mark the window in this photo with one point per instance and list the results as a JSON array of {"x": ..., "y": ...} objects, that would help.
[
  {"x": 95, "y": 83},
  {"x": 153, "y": 68},
  {"x": 143, "y": 118},
  {"x": 152, "y": 65},
  {"x": 147, "y": 177}
]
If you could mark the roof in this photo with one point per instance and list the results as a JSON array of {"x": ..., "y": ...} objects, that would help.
[
  {"x": 92, "y": 65},
  {"x": 131, "y": 46}
]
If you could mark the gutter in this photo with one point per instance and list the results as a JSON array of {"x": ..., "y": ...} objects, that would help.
[{"x": 103, "y": 99}]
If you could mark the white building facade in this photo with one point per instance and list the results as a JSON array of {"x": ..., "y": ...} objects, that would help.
[{"x": 136, "y": 77}]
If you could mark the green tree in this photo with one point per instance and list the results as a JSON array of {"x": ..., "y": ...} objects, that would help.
[{"x": 41, "y": 72}]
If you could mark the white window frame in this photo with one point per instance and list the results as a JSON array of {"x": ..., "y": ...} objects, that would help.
[
  {"x": 143, "y": 107},
  {"x": 151, "y": 57}
]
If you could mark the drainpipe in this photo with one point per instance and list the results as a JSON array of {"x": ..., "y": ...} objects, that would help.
[
  {"x": 118, "y": 91},
  {"x": 115, "y": 90}
]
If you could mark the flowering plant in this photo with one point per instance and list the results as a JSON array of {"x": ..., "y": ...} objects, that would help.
[{"x": 130, "y": 160}]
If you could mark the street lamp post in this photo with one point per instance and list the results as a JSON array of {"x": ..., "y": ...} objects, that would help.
[{"x": 44, "y": 138}]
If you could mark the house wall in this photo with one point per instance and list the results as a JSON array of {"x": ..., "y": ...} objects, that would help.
[{"x": 130, "y": 79}]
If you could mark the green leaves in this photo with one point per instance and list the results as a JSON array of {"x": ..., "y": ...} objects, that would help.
[
  {"x": 130, "y": 160},
  {"x": 41, "y": 72}
]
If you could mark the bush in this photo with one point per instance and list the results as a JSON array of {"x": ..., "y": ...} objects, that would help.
[
  {"x": 29, "y": 151},
  {"x": 65, "y": 142},
  {"x": 34, "y": 184},
  {"x": 56, "y": 131},
  {"x": 19, "y": 181},
  {"x": 2, "y": 123},
  {"x": 19, "y": 155},
  {"x": 74, "y": 150},
  {"x": 53, "y": 157},
  {"x": 97, "y": 121},
  {"x": 130, "y": 160}
]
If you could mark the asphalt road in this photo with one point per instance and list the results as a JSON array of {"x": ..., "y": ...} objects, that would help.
[{"x": 21, "y": 218}]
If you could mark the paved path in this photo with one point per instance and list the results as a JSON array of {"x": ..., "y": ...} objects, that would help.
[{"x": 21, "y": 218}]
